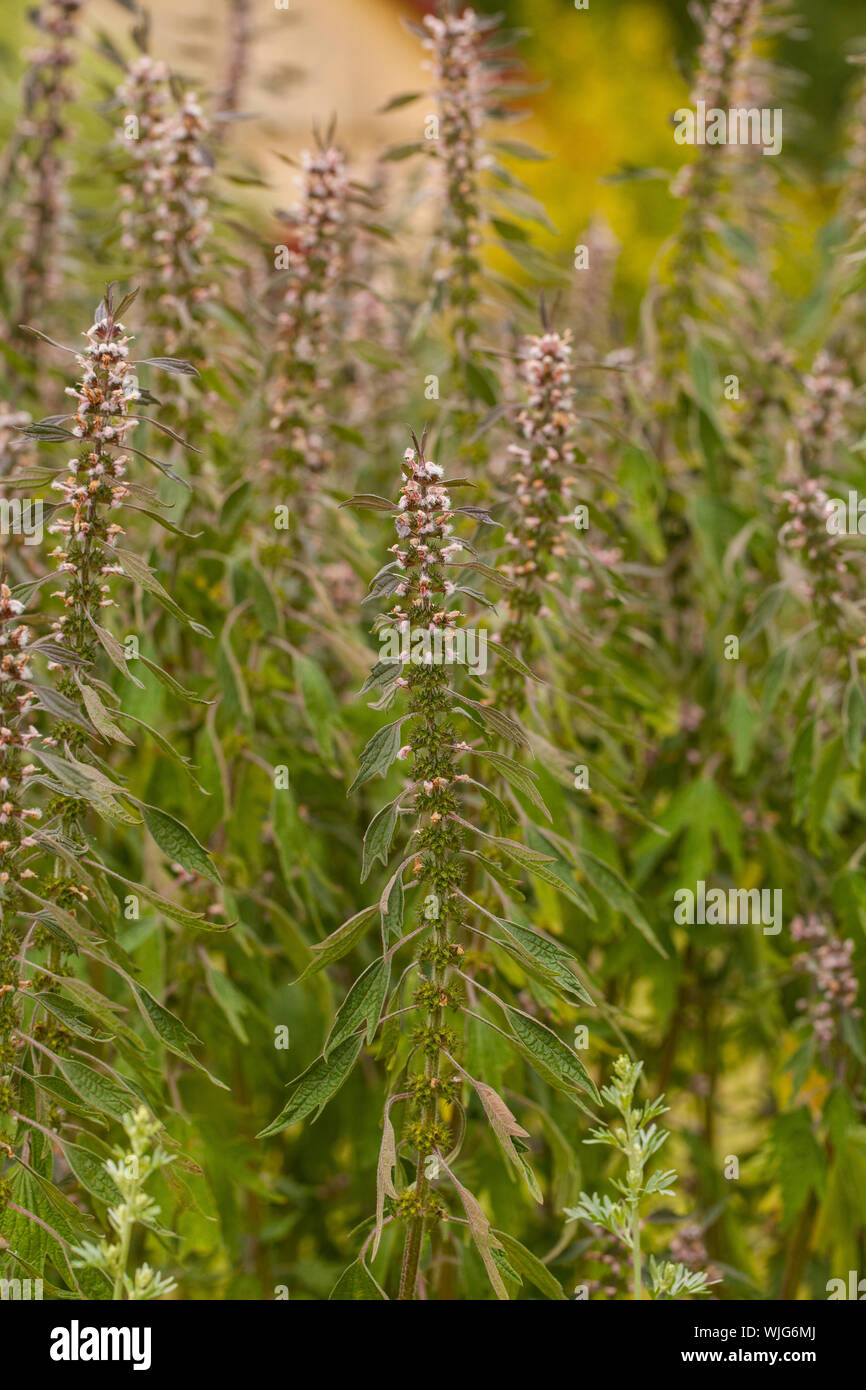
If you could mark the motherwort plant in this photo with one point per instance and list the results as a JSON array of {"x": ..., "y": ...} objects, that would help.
[
  {"x": 66, "y": 1052},
  {"x": 314, "y": 257},
  {"x": 457, "y": 943},
  {"x": 729, "y": 32},
  {"x": 541, "y": 480},
  {"x": 478, "y": 197},
  {"x": 35, "y": 175},
  {"x": 166, "y": 222}
]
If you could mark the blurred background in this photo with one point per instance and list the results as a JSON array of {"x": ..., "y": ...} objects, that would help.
[{"x": 609, "y": 77}]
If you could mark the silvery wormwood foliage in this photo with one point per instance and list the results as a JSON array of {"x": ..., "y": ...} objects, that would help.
[
  {"x": 129, "y": 1171},
  {"x": 66, "y": 1050},
  {"x": 456, "y": 941},
  {"x": 638, "y": 1138}
]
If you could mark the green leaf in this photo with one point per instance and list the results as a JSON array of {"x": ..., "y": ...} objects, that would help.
[
  {"x": 617, "y": 894},
  {"x": 171, "y": 1032},
  {"x": 799, "y": 1161},
  {"x": 550, "y": 1056},
  {"x": 179, "y": 843},
  {"x": 507, "y": 1129},
  {"x": 552, "y": 959},
  {"x": 91, "y": 1173},
  {"x": 96, "y": 1090},
  {"x": 72, "y": 1017},
  {"x": 316, "y": 1086},
  {"x": 492, "y": 718},
  {"x": 513, "y": 660},
  {"x": 168, "y": 681},
  {"x": 320, "y": 707},
  {"x": 169, "y": 364},
  {"x": 377, "y": 840},
  {"x": 140, "y": 573},
  {"x": 518, "y": 149},
  {"x": 764, "y": 611},
  {"x": 340, "y": 942},
  {"x": 519, "y": 778},
  {"x": 115, "y": 653},
  {"x": 356, "y": 1284},
  {"x": 101, "y": 717},
  {"x": 174, "y": 911},
  {"x": 392, "y": 915},
  {"x": 379, "y": 753},
  {"x": 362, "y": 1005},
  {"x": 531, "y": 1267},
  {"x": 404, "y": 99}
]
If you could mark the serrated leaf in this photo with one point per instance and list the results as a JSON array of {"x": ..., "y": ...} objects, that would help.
[
  {"x": 340, "y": 942},
  {"x": 555, "y": 1061},
  {"x": 531, "y": 1268},
  {"x": 71, "y": 1016},
  {"x": 97, "y": 1091},
  {"x": 362, "y": 1005},
  {"x": 356, "y": 1284},
  {"x": 377, "y": 840},
  {"x": 551, "y": 958},
  {"x": 101, "y": 717},
  {"x": 179, "y": 843},
  {"x": 379, "y": 753},
  {"x": 316, "y": 1086},
  {"x": 616, "y": 893},
  {"x": 171, "y": 1032}
]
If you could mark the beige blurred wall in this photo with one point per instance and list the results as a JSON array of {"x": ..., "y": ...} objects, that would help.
[{"x": 317, "y": 59}]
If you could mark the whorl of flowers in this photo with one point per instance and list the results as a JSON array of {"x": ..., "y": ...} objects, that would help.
[
  {"x": 318, "y": 231},
  {"x": 39, "y": 163},
  {"x": 728, "y": 27},
  {"x": 237, "y": 67},
  {"x": 820, "y": 421},
  {"x": 828, "y": 961},
  {"x": 181, "y": 259},
  {"x": 830, "y": 584},
  {"x": 16, "y": 735},
  {"x": 456, "y": 47},
  {"x": 847, "y": 333},
  {"x": 729, "y": 30},
  {"x": 143, "y": 95},
  {"x": 94, "y": 486},
  {"x": 166, "y": 223},
  {"x": 543, "y": 462},
  {"x": 594, "y": 286},
  {"x": 853, "y": 204}
]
